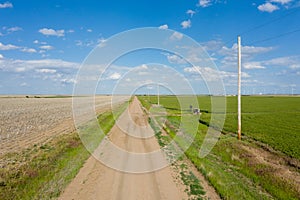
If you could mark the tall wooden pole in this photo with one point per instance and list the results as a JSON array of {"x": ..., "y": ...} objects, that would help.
[
  {"x": 239, "y": 89},
  {"x": 158, "y": 94}
]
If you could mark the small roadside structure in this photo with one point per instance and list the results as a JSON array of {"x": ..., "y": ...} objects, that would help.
[{"x": 196, "y": 111}]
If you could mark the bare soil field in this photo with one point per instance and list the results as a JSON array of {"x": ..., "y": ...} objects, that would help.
[{"x": 26, "y": 121}]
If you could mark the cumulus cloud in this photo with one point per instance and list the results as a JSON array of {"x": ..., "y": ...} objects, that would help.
[
  {"x": 190, "y": 12},
  {"x": 68, "y": 80},
  {"x": 27, "y": 65},
  {"x": 212, "y": 45},
  {"x": 283, "y": 61},
  {"x": 175, "y": 59},
  {"x": 52, "y": 32},
  {"x": 295, "y": 66},
  {"x": 14, "y": 29},
  {"x": 204, "y": 3},
  {"x": 267, "y": 7},
  {"x": 163, "y": 27},
  {"x": 246, "y": 50},
  {"x": 86, "y": 43},
  {"x": 47, "y": 71},
  {"x": 186, "y": 24},
  {"x": 143, "y": 66},
  {"x": 291, "y": 62},
  {"x": 114, "y": 76},
  {"x": 24, "y": 84},
  {"x": 281, "y": 1},
  {"x": 6, "y": 5},
  {"x": 1, "y": 56},
  {"x": 89, "y": 30},
  {"x": 46, "y": 47},
  {"x": 28, "y": 50},
  {"x": 8, "y": 47},
  {"x": 210, "y": 74},
  {"x": 253, "y": 65},
  {"x": 176, "y": 36},
  {"x": 229, "y": 54}
]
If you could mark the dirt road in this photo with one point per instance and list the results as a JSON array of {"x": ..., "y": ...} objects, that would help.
[{"x": 97, "y": 181}]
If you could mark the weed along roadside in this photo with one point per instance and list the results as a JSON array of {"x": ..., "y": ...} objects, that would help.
[
  {"x": 253, "y": 168},
  {"x": 43, "y": 170}
]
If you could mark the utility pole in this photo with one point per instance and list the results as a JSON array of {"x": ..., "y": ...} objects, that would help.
[
  {"x": 239, "y": 89},
  {"x": 292, "y": 91},
  {"x": 158, "y": 94}
]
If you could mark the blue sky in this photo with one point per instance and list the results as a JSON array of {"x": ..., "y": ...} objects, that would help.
[{"x": 43, "y": 43}]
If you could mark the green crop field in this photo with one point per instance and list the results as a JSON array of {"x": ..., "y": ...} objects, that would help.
[{"x": 271, "y": 122}]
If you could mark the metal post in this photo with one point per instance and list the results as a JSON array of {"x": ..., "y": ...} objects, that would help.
[{"x": 239, "y": 89}]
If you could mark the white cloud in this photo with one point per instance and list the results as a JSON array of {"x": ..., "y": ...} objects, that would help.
[
  {"x": 86, "y": 43},
  {"x": 39, "y": 42},
  {"x": 14, "y": 29},
  {"x": 6, "y": 5},
  {"x": 47, "y": 71},
  {"x": 71, "y": 31},
  {"x": 20, "y": 69},
  {"x": 290, "y": 62},
  {"x": 253, "y": 65},
  {"x": 28, "y": 50},
  {"x": 212, "y": 45},
  {"x": 246, "y": 50},
  {"x": 281, "y": 1},
  {"x": 27, "y": 65},
  {"x": 163, "y": 27},
  {"x": 68, "y": 80},
  {"x": 204, "y": 3},
  {"x": 24, "y": 84},
  {"x": 248, "y": 53},
  {"x": 255, "y": 50},
  {"x": 1, "y": 56},
  {"x": 89, "y": 30},
  {"x": 114, "y": 76},
  {"x": 52, "y": 32},
  {"x": 190, "y": 12},
  {"x": 267, "y": 7},
  {"x": 8, "y": 47},
  {"x": 283, "y": 61},
  {"x": 186, "y": 24},
  {"x": 143, "y": 66},
  {"x": 46, "y": 47},
  {"x": 210, "y": 74},
  {"x": 175, "y": 59},
  {"x": 295, "y": 66},
  {"x": 176, "y": 36}
]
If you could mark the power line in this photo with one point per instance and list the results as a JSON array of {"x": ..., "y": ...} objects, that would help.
[
  {"x": 270, "y": 22},
  {"x": 274, "y": 37},
  {"x": 265, "y": 24}
]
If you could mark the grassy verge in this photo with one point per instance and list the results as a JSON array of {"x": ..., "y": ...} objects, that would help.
[
  {"x": 233, "y": 172},
  {"x": 193, "y": 186},
  {"x": 43, "y": 171}
]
